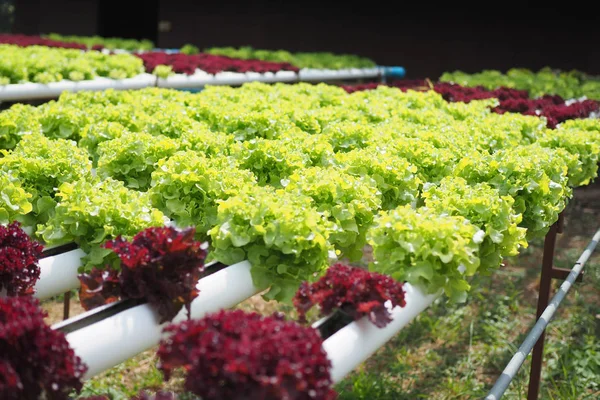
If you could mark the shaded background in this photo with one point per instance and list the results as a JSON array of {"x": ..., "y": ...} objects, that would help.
[{"x": 424, "y": 37}]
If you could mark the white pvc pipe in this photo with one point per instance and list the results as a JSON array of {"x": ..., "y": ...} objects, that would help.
[
  {"x": 272, "y": 77},
  {"x": 200, "y": 79},
  {"x": 111, "y": 341},
  {"x": 319, "y": 75},
  {"x": 58, "y": 274},
  {"x": 357, "y": 341},
  {"x": 31, "y": 91}
]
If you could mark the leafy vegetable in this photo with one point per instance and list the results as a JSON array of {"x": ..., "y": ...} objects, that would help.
[
  {"x": 354, "y": 291},
  {"x": 99, "y": 132},
  {"x": 19, "y": 269},
  {"x": 535, "y": 176},
  {"x": 14, "y": 201},
  {"x": 395, "y": 177},
  {"x": 436, "y": 252},
  {"x": 238, "y": 355},
  {"x": 321, "y": 60},
  {"x": 188, "y": 186},
  {"x": 571, "y": 84},
  {"x": 109, "y": 43},
  {"x": 40, "y": 165},
  {"x": 347, "y": 201},
  {"x": 189, "y": 49},
  {"x": 162, "y": 265},
  {"x": 269, "y": 160},
  {"x": 584, "y": 145},
  {"x": 35, "y": 360},
  {"x": 18, "y": 120},
  {"x": 44, "y": 65},
  {"x": 281, "y": 234},
  {"x": 91, "y": 212},
  {"x": 485, "y": 208},
  {"x": 132, "y": 157}
]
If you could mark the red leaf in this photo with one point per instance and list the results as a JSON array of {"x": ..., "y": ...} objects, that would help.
[
  {"x": 99, "y": 287},
  {"x": 355, "y": 291},
  {"x": 237, "y": 355}
]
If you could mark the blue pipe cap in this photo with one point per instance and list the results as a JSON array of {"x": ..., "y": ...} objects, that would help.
[
  {"x": 394, "y": 72},
  {"x": 168, "y": 51}
]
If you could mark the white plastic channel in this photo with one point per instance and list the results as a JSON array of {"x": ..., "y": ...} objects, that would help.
[
  {"x": 320, "y": 75},
  {"x": 58, "y": 274},
  {"x": 32, "y": 91},
  {"x": 357, "y": 341},
  {"x": 200, "y": 79},
  {"x": 113, "y": 340}
]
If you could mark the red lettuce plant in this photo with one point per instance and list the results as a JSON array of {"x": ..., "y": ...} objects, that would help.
[
  {"x": 35, "y": 360},
  {"x": 358, "y": 87},
  {"x": 404, "y": 85},
  {"x": 27, "y": 40},
  {"x": 19, "y": 270},
  {"x": 187, "y": 64},
  {"x": 553, "y": 107},
  {"x": 161, "y": 264},
  {"x": 355, "y": 291},
  {"x": 99, "y": 287},
  {"x": 454, "y": 93},
  {"x": 237, "y": 355}
]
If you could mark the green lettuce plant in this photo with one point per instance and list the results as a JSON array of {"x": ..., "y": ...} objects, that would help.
[
  {"x": 349, "y": 202},
  {"x": 435, "y": 252},
  {"x": 92, "y": 212},
  {"x": 188, "y": 186},
  {"x": 282, "y": 235},
  {"x": 484, "y": 207}
]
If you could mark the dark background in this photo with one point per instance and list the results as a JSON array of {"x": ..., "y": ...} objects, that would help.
[{"x": 426, "y": 38}]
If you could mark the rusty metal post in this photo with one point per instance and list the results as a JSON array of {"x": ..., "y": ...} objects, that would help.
[
  {"x": 66, "y": 305},
  {"x": 543, "y": 298}
]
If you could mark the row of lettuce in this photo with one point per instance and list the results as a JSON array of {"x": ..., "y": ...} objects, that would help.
[
  {"x": 76, "y": 42},
  {"x": 515, "y": 84},
  {"x": 41, "y": 64},
  {"x": 293, "y": 177},
  {"x": 27, "y": 60},
  {"x": 567, "y": 84},
  {"x": 324, "y": 60},
  {"x": 554, "y": 108}
]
